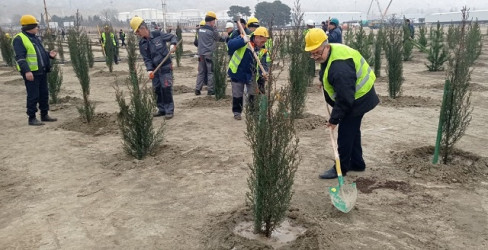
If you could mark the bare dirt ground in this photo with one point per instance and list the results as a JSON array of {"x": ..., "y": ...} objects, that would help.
[{"x": 69, "y": 185}]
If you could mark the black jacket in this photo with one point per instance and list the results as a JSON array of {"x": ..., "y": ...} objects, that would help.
[
  {"x": 21, "y": 54},
  {"x": 154, "y": 50},
  {"x": 342, "y": 77}
]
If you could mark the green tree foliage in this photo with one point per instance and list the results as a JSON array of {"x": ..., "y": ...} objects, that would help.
[
  {"x": 438, "y": 54},
  {"x": 60, "y": 47},
  {"x": 474, "y": 42},
  {"x": 140, "y": 138},
  {"x": 362, "y": 44},
  {"x": 220, "y": 63},
  {"x": 407, "y": 43},
  {"x": 78, "y": 54},
  {"x": 457, "y": 106},
  {"x": 452, "y": 36},
  {"x": 300, "y": 67},
  {"x": 236, "y": 11},
  {"x": 423, "y": 36},
  {"x": 110, "y": 51},
  {"x": 54, "y": 80},
  {"x": 349, "y": 36},
  {"x": 275, "y": 13},
  {"x": 179, "y": 50},
  {"x": 7, "y": 49},
  {"x": 90, "y": 57},
  {"x": 377, "y": 52},
  {"x": 393, "y": 47}
]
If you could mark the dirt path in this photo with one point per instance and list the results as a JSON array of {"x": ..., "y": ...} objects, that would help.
[{"x": 62, "y": 188}]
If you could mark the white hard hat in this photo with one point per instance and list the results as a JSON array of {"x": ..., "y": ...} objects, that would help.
[
  {"x": 229, "y": 25},
  {"x": 310, "y": 22}
]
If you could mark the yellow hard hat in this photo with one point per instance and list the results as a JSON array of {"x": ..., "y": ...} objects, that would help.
[
  {"x": 252, "y": 20},
  {"x": 135, "y": 22},
  {"x": 314, "y": 38},
  {"x": 261, "y": 31},
  {"x": 28, "y": 19},
  {"x": 202, "y": 23},
  {"x": 211, "y": 14},
  {"x": 7, "y": 35}
]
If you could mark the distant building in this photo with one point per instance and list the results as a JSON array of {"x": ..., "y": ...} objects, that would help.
[
  {"x": 319, "y": 17},
  {"x": 455, "y": 17}
]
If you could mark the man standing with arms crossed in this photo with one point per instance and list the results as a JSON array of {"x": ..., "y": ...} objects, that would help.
[{"x": 207, "y": 37}]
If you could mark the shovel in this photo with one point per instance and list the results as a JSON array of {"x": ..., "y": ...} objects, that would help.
[{"x": 342, "y": 196}]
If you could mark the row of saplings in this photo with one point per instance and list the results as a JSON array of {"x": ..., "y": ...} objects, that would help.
[{"x": 270, "y": 120}]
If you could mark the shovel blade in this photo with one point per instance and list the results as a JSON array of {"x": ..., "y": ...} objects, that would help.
[{"x": 344, "y": 196}]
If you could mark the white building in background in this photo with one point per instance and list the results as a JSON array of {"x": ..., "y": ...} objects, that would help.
[
  {"x": 187, "y": 16},
  {"x": 447, "y": 17},
  {"x": 319, "y": 17}
]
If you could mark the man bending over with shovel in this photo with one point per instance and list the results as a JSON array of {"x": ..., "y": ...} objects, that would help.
[
  {"x": 348, "y": 84},
  {"x": 154, "y": 50}
]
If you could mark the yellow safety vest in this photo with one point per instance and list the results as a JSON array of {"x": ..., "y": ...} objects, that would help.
[
  {"x": 269, "y": 46},
  {"x": 105, "y": 40},
  {"x": 31, "y": 57},
  {"x": 236, "y": 59},
  {"x": 365, "y": 76}
]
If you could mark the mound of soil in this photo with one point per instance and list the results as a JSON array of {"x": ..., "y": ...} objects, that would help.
[
  {"x": 472, "y": 86},
  {"x": 182, "y": 89},
  {"x": 409, "y": 101},
  {"x": 463, "y": 167},
  {"x": 209, "y": 102},
  {"x": 102, "y": 73},
  {"x": 70, "y": 100},
  {"x": 367, "y": 185},
  {"x": 19, "y": 81},
  {"x": 309, "y": 122},
  {"x": 221, "y": 232},
  {"x": 9, "y": 72},
  {"x": 102, "y": 123}
]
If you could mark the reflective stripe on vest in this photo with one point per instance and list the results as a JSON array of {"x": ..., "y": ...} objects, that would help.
[
  {"x": 31, "y": 56},
  {"x": 261, "y": 53},
  {"x": 105, "y": 40},
  {"x": 236, "y": 59},
  {"x": 268, "y": 45},
  {"x": 365, "y": 76}
]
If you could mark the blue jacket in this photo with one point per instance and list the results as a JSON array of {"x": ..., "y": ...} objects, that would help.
[
  {"x": 21, "y": 53},
  {"x": 335, "y": 35},
  {"x": 154, "y": 50},
  {"x": 247, "y": 67}
]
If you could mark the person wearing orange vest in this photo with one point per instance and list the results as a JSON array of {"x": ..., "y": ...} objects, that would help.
[
  {"x": 348, "y": 84},
  {"x": 33, "y": 64}
]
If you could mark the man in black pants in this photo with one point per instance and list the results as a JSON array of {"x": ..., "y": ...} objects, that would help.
[
  {"x": 348, "y": 84},
  {"x": 33, "y": 64}
]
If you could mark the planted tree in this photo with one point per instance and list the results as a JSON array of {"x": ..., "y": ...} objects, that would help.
[
  {"x": 55, "y": 77},
  {"x": 7, "y": 49},
  {"x": 59, "y": 45},
  {"x": 274, "y": 145},
  {"x": 110, "y": 49},
  {"x": 179, "y": 49},
  {"x": 393, "y": 46},
  {"x": 423, "y": 36},
  {"x": 362, "y": 44},
  {"x": 456, "y": 109},
  {"x": 452, "y": 36},
  {"x": 78, "y": 54},
  {"x": 474, "y": 42},
  {"x": 140, "y": 138},
  {"x": 220, "y": 63},
  {"x": 300, "y": 66},
  {"x": 438, "y": 54},
  {"x": 407, "y": 43},
  {"x": 377, "y": 52},
  {"x": 349, "y": 37},
  {"x": 89, "y": 55}
]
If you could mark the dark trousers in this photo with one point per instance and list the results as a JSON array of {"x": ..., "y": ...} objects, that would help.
[
  {"x": 163, "y": 88},
  {"x": 37, "y": 92},
  {"x": 349, "y": 143}
]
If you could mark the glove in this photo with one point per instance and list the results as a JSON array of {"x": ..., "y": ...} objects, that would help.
[
  {"x": 151, "y": 74},
  {"x": 172, "y": 48},
  {"x": 246, "y": 38}
]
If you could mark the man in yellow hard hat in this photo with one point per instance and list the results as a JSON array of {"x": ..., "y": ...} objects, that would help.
[
  {"x": 33, "y": 64},
  {"x": 153, "y": 49},
  {"x": 112, "y": 40},
  {"x": 243, "y": 68},
  {"x": 348, "y": 84},
  {"x": 201, "y": 24},
  {"x": 207, "y": 38}
]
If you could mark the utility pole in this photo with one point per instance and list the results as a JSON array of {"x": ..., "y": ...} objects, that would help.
[
  {"x": 163, "y": 3},
  {"x": 46, "y": 16}
]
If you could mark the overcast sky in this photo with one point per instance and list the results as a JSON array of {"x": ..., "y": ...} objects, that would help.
[{"x": 10, "y": 8}]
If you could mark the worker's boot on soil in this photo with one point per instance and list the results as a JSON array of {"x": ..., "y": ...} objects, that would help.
[
  {"x": 331, "y": 174},
  {"x": 159, "y": 114},
  {"x": 47, "y": 118},
  {"x": 34, "y": 122},
  {"x": 168, "y": 116},
  {"x": 197, "y": 92}
]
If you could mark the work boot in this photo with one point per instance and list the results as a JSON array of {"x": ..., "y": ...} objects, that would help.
[
  {"x": 331, "y": 174},
  {"x": 168, "y": 116},
  {"x": 34, "y": 122},
  {"x": 210, "y": 93},
  {"x": 47, "y": 118},
  {"x": 197, "y": 92},
  {"x": 237, "y": 117},
  {"x": 158, "y": 114}
]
